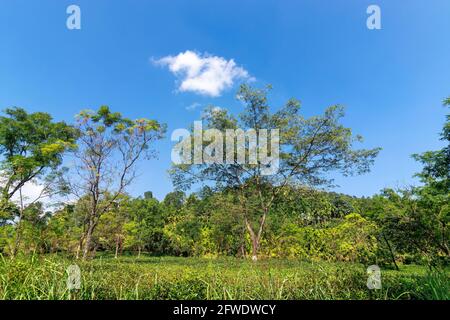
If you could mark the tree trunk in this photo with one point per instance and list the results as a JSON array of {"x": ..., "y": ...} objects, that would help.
[
  {"x": 255, "y": 246},
  {"x": 87, "y": 245},
  {"x": 80, "y": 245},
  {"x": 391, "y": 252},
  {"x": 19, "y": 226},
  {"x": 444, "y": 239},
  {"x": 242, "y": 251},
  {"x": 17, "y": 241},
  {"x": 255, "y": 241},
  {"x": 117, "y": 247}
]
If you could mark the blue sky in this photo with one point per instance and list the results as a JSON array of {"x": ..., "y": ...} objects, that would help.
[{"x": 392, "y": 81}]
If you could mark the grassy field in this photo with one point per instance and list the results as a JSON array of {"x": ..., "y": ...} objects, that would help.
[{"x": 44, "y": 277}]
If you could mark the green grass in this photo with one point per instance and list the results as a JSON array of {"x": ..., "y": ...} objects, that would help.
[{"x": 44, "y": 277}]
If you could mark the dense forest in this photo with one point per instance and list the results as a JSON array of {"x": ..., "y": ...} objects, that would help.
[{"x": 216, "y": 210}]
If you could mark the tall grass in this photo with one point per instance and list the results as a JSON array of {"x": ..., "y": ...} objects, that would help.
[
  {"x": 437, "y": 285},
  {"x": 44, "y": 277}
]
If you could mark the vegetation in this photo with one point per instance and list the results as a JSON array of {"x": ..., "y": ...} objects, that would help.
[
  {"x": 308, "y": 150},
  {"x": 43, "y": 277},
  {"x": 108, "y": 150},
  {"x": 309, "y": 243}
]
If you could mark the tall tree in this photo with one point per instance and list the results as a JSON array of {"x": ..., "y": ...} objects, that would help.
[
  {"x": 32, "y": 147},
  {"x": 309, "y": 149},
  {"x": 434, "y": 195},
  {"x": 109, "y": 148}
]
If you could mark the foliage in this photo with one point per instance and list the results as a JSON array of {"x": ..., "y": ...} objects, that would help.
[
  {"x": 30, "y": 143},
  {"x": 200, "y": 278},
  {"x": 312, "y": 244},
  {"x": 309, "y": 149},
  {"x": 110, "y": 146}
]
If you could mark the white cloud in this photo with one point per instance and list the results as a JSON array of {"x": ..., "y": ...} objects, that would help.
[
  {"x": 203, "y": 74},
  {"x": 193, "y": 106}
]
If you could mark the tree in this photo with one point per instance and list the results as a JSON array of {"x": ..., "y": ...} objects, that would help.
[
  {"x": 436, "y": 164},
  {"x": 414, "y": 222},
  {"x": 309, "y": 149},
  {"x": 111, "y": 226},
  {"x": 144, "y": 230},
  {"x": 32, "y": 146},
  {"x": 64, "y": 228},
  {"x": 175, "y": 199},
  {"x": 434, "y": 195},
  {"x": 109, "y": 148}
]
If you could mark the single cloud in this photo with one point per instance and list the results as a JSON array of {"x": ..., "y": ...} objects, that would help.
[
  {"x": 203, "y": 74},
  {"x": 193, "y": 106}
]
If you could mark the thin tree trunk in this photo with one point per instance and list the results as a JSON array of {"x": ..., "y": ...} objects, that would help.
[
  {"x": 80, "y": 245},
  {"x": 444, "y": 239},
  {"x": 391, "y": 252},
  {"x": 242, "y": 251},
  {"x": 117, "y": 247},
  {"x": 17, "y": 241},
  {"x": 19, "y": 227}
]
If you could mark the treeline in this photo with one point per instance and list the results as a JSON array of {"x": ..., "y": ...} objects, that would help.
[
  {"x": 387, "y": 229},
  {"x": 240, "y": 210}
]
